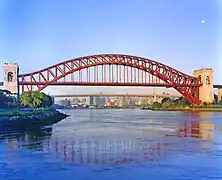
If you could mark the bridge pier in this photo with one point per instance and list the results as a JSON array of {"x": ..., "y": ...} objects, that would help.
[
  {"x": 206, "y": 90},
  {"x": 11, "y": 72}
]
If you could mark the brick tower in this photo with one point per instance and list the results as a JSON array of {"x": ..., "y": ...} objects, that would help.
[
  {"x": 11, "y": 71},
  {"x": 206, "y": 90}
]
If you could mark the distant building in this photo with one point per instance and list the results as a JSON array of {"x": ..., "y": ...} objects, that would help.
[
  {"x": 65, "y": 102},
  {"x": 98, "y": 101},
  {"x": 138, "y": 102},
  {"x": 75, "y": 101},
  {"x": 91, "y": 100},
  {"x": 82, "y": 100},
  {"x": 107, "y": 101},
  {"x": 87, "y": 101},
  {"x": 112, "y": 102},
  {"x": 102, "y": 101}
]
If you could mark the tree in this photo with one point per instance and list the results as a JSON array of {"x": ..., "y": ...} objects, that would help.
[
  {"x": 47, "y": 100},
  {"x": 156, "y": 105},
  {"x": 35, "y": 99},
  {"x": 221, "y": 102},
  {"x": 166, "y": 102},
  {"x": 181, "y": 102},
  {"x": 26, "y": 99},
  {"x": 215, "y": 99},
  {"x": 5, "y": 99},
  {"x": 6, "y": 92},
  {"x": 184, "y": 102},
  {"x": 176, "y": 101},
  {"x": 205, "y": 104}
]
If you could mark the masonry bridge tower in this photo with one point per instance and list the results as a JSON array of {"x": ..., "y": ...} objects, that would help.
[
  {"x": 206, "y": 90},
  {"x": 11, "y": 83}
]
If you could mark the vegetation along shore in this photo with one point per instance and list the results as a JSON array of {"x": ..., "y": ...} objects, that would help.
[
  {"x": 33, "y": 110},
  {"x": 182, "y": 104}
]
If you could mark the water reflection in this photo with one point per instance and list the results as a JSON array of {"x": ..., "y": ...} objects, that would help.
[
  {"x": 112, "y": 144},
  {"x": 197, "y": 129},
  {"x": 26, "y": 139},
  {"x": 113, "y": 151},
  {"x": 200, "y": 115}
]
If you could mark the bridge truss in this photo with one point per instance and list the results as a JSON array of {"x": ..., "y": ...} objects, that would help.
[{"x": 112, "y": 70}]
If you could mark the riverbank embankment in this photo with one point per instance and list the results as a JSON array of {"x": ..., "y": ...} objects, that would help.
[{"x": 29, "y": 119}]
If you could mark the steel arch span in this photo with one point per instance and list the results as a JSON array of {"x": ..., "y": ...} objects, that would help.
[{"x": 113, "y": 70}]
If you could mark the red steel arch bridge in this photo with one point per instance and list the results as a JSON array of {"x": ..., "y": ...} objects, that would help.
[{"x": 112, "y": 70}]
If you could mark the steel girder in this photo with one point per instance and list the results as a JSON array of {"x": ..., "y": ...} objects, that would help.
[{"x": 185, "y": 84}]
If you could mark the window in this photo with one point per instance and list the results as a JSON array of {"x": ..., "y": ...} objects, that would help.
[
  {"x": 10, "y": 76},
  {"x": 200, "y": 78},
  {"x": 208, "y": 80}
]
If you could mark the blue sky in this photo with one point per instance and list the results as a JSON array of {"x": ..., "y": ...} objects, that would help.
[{"x": 39, "y": 33}]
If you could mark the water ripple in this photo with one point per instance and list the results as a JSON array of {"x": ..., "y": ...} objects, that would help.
[{"x": 112, "y": 144}]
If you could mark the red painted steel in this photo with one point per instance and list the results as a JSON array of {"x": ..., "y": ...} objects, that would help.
[{"x": 116, "y": 70}]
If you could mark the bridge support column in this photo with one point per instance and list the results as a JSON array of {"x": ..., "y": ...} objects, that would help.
[
  {"x": 206, "y": 90},
  {"x": 219, "y": 94},
  {"x": 11, "y": 71}
]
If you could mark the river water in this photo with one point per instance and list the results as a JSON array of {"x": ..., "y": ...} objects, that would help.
[{"x": 118, "y": 144}]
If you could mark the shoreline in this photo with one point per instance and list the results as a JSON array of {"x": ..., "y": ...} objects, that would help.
[
  {"x": 25, "y": 122},
  {"x": 189, "y": 109}
]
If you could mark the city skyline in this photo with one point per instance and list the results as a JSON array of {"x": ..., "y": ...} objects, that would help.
[{"x": 38, "y": 34}]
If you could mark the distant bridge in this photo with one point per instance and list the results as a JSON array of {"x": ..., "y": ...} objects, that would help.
[{"x": 115, "y": 95}]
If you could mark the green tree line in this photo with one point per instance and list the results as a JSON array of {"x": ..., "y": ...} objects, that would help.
[
  {"x": 178, "y": 103},
  {"x": 170, "y": 103},
  {"x": 35, "y": 99},
  {"x": 6, "y": 101},
  {"x": 32, "y": 99}
]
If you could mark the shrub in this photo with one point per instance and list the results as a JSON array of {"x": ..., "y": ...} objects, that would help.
[{"x": 156, "y": 105}]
